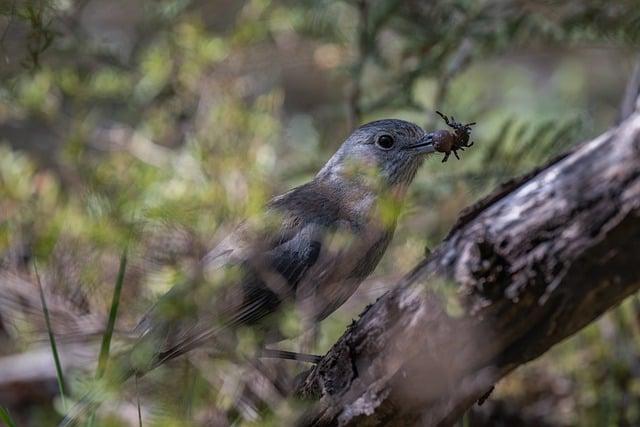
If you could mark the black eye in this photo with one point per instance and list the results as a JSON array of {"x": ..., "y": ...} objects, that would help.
[{"x": 385, "y": 142}]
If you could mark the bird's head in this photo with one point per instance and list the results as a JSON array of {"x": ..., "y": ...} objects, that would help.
[{"x": 382, "y": 153}]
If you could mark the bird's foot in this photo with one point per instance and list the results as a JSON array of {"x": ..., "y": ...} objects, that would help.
[{"x": 290, "y": 355}]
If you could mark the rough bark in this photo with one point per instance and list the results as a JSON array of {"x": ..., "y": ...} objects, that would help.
[{"x": 533, "y": 263}]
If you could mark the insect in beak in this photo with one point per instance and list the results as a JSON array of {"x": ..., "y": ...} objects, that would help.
[{"x": 450, "y": 142}]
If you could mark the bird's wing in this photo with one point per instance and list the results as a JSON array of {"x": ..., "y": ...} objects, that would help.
[
  {"x": 247, "y": 276},
  {"x": 247, "y": 240}
]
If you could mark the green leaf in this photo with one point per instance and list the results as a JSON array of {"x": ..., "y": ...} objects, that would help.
[
  {"x": 6, "y": 418},
  {"x": 115, "y": 302},
  {"x": 52, "y": 338}
]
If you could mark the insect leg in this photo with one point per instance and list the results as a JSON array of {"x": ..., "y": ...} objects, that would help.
[{"x": 444, "y": 117}]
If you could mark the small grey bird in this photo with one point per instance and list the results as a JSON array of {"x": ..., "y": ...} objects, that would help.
[{"x": 310, "y": 250}]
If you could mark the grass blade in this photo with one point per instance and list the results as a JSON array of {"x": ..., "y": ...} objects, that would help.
[
  {"x": 6, "y": 418},
  {"x": 103, "y": 358},
  {"x": 52, "y": 338},
  {"x": 138, "y": 402},
  {"x": 115, "y": 302}
]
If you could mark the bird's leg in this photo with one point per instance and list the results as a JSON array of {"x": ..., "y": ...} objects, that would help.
[
  {"x": 274, "y": 335},
  {"x": 308, "y": 341},
  {"x": 269, "y": 353},
  {"x": 444, "y": 117},
  {"x": 290, "y": 355}
]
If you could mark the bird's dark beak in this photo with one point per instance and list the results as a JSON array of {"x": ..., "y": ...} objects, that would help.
[{"x": 423, "y": 146}]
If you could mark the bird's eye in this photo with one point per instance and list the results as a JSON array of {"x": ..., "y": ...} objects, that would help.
[{"x": 385, "y": 142}]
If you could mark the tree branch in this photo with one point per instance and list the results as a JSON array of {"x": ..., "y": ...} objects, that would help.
[
  {"x": 534, "y": 262},
  {"x": 631, "y": 98}
]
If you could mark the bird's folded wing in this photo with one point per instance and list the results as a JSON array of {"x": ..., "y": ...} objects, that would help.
[{"x": 247, "y": 276}]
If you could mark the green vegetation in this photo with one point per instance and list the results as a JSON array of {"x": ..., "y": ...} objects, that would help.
[
  {"x": 52, "y": 338},
  {"x": 6, "y": 418},
  {"x": 113, "y": 312},
  {"x": 157, "y": 125}
]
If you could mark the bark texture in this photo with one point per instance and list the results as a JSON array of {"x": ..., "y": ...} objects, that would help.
[{"x": 534, "y": 262}]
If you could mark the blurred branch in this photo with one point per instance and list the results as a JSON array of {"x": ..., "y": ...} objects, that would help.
[
  {"x": 41, "y": 34},
  {"x": 631, "y": 100},
  {"x": 11, "y": 15},
  {"x": 364, "y": 44},
  {"x": 536, "y": 261},
  {"x": 458, "y": 62}
]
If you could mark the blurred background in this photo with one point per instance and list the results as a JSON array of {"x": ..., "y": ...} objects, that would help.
[{"x": 163, "y": 122}]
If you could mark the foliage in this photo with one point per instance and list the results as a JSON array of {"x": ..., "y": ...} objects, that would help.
[
  {"x": 6, "y": 418},
  {"x": 162, "y": 123}
]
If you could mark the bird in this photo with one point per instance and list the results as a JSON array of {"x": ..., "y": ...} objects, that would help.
[{"x": 309, "y": 249}]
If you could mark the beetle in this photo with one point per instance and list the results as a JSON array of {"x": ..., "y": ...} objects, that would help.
[{"x": 449, "y": 142}]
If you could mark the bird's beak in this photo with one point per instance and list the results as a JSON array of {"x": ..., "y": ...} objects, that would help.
[{"x": 423, "y": 146}]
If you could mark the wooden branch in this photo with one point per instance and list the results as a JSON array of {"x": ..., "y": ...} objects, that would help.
[
  {"x": 533, "y": 263},
  {"x": 631, "y": 99}
]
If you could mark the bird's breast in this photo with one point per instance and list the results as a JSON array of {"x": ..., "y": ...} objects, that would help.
[{"x": 339, "y": 271}]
